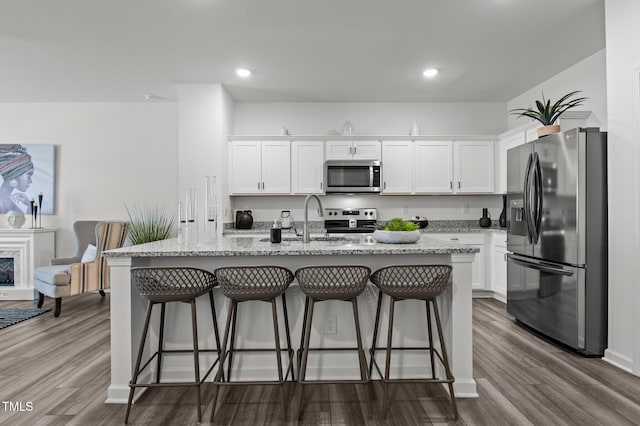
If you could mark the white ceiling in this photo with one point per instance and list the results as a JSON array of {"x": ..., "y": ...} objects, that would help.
[{"x": 298, "y": 50}]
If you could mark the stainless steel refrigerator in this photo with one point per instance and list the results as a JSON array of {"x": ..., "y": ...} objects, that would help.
[{"x": 557, "y": 237}]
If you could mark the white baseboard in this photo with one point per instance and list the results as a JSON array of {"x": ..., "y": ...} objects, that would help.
[{"x": 623, "y": 362}]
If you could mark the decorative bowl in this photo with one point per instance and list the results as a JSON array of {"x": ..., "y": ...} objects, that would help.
[{"x": 396, "y": 237}]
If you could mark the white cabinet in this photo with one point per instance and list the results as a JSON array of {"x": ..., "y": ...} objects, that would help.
[
  {"x": 454, "y": 167},
  {"x": 307, "y": 167},
  {"x": 352, "y": 150},
  {"x": 397, "y": 170},
  {"x": 478, "y": 279},
  {"x": 498, "y": 266},
  {"x": 433, "y": 165},
  {"x": 506, "y": 142},
  {"x": 473, "y": 169},
  {"x": 260, "y": 167}
]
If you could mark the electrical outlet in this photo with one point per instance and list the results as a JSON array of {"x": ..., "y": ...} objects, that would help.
[
  {"x": 465, "y": 209},
  {"x": 330, "y": 324}
]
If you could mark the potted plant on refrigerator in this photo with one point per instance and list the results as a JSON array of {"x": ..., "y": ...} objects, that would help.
[{"x": 547, "y": 114}]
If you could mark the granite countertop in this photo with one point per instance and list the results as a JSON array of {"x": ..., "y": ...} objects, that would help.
[
  {"x": 238, "y": 245},
  {"x": 435, "y": 226}
]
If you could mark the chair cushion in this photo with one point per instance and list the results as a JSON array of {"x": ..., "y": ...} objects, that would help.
[{"x": 56, "y": 275}]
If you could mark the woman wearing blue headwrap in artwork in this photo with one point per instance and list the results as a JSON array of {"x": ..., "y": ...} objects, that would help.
[{"x": 16, "y": 169}]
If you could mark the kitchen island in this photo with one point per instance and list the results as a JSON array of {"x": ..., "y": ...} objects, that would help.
[{"x": 128, "y": 307}]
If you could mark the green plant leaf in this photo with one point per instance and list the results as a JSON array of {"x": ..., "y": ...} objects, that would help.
[
  {"x": 148, "y": 223},
  {"x": 545, "y": 112}
]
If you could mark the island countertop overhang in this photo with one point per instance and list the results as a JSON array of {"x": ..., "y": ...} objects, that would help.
[{"x": 257, "y": 246}]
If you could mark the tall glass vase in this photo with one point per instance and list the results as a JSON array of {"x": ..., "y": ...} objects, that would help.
[
  {"x": 210, "y": 212},
  {"x": 191, "y": 222},
  {"x": 182, "y": 223}
]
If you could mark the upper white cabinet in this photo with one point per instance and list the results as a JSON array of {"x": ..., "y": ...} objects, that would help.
[
  {"x": 260, "y": 167},
  {"x": 437, "y": 167},
  {"x": 307, "y": 167},
  {"x": 473, "y": 169},
  {"x": 352, "y": 150},
  {"x": 433, "y": 165},
  {"x": 397, "y": 170}
]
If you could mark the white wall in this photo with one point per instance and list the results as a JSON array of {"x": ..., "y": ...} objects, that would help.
[
  {"x": 388, "y": 118},
  {"x": 588, "y": 75},
  {"x": 108, "y": 155},
  {"x": 623, "y": 99}
]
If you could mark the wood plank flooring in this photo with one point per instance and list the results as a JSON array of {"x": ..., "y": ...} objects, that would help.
[{"x": 61, "y": 366}]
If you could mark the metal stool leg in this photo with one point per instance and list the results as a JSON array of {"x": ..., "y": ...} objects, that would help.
[
  {"x": 215, "y": 322},
  {"x": 387, "y": 368},
  {"x": 372, "y": 352},
  {"x": 304, "y": 327},
  {"x": 160, "y": 341},
  {"x": 445, "y": 358},
  {"x": 288, "y": 334},
  {"x": 431, "y": 348},
  {"x": 225, "y": 339},
  {"x": 233, "y": 339},
  {"x": 196, "y": 356},
  {"x": 136, "y": 369},
  {"x": 305, "y": 353}
]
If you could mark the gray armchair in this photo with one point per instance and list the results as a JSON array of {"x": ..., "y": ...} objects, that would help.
[{"x": 69, "y": 276}]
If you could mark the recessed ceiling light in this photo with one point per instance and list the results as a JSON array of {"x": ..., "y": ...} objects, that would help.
[
  {"x": 430, "y": 72},
  {"x": 243, "y": 72}
]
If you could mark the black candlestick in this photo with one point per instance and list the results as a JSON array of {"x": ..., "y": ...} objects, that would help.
[
  {"x": 40, "y": 208},
  {"x": 33, "y": 210}
]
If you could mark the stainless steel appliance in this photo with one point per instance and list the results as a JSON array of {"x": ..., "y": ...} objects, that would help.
[
  {"x": 350, "y": 221},
  {"x": 352, "y": 176},
  {"x": 557, "y": 237}
]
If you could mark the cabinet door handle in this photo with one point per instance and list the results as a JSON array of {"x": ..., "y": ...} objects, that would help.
[
  {"x": 263, "y": 185},
  {"x": 350, "y": 150},
  {"x": 320, "y": 185},
  {"x": 258, "y": 186},
  {"x": 450, "y": 185},
  {"x": 459, "y": 186},
  {"x": 455, "y": 239},
  {"x": 384, "y": 185},
  {"x": 355, "y": 149}
]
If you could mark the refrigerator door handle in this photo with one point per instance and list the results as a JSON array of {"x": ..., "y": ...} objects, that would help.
[
  {"x": 538, "y": 196},
  {"x": 527, "y": 198},
  {"x": 539, "y": 266}
]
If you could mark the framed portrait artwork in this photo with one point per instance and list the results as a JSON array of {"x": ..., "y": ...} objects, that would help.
[{"x": 28, "y": 175}]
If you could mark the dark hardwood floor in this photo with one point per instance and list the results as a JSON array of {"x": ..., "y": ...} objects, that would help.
[{"x": 61, "y": 366}]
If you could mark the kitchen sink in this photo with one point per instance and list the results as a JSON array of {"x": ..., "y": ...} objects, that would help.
[{"x": 318, "y": 238}]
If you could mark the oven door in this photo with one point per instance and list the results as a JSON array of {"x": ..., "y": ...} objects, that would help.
[{"x": 352, "y": 176}]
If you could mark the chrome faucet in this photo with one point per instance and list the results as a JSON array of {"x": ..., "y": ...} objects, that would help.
[{"x": 305, "y": 228}]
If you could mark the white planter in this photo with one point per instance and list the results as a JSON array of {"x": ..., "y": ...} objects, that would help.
[{"x": 396, "y": 237}]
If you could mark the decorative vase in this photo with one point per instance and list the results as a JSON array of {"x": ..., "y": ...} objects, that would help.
[
  {"x": 347, "y": 128},
  {"x": 415, "y": 130},
  {"x": 15, "y": 219},
  {"x": 484, "y": 221},
  {"x": 503, "y": 214},
  {"x": 548, "y": 130},
  {"x": 191, "y": 224},
  {"x": 210, "y": 212}
]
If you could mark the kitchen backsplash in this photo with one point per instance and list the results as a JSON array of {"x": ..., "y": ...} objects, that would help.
[{"x": 442, "y": 207}]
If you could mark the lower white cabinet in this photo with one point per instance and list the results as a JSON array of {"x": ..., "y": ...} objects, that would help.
[
  {"x": 498, "y": 266},
  {"x": 478, "y": 278}
]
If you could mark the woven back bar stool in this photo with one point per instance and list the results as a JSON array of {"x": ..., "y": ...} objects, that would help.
[
  {"x": 412, "y": 282},
  {"x": 160, "y": 286},
  {"x": 254, "y": 283},
  {"x": 322, "y": 283}
]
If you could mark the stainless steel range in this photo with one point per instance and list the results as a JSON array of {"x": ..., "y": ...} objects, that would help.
[{"x": 350, "y": 221}]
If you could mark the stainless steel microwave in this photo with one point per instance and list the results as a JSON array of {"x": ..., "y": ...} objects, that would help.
[{"x": 353, "y": 176}]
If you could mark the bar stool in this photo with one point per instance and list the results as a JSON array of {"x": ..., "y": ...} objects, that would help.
[
  {"x": 322, "y": 283},
  {"x": 169, "y": 284},
  {"x": 254, "y": 283},
  {"x": 412, "y": 282}
]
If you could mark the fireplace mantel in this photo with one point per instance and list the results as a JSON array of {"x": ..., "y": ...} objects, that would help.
[{"x": 29, "y": 249}]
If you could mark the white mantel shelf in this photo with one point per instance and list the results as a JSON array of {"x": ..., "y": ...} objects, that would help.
[{"x": 30, "y": 248}]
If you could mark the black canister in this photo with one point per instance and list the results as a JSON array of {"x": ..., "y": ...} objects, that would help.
[
  {"x": 484, "y": 221},
  {"x": 276, "y": 233}
]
